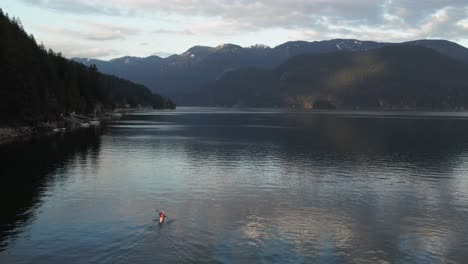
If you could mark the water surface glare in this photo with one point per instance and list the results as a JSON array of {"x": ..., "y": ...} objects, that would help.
[{"x": 241, "y": 186}]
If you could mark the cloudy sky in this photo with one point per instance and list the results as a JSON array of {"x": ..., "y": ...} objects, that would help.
[{"x": 114, "y": 28}]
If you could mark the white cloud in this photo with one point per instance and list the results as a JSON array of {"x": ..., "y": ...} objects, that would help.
[
  {"x": 179, "y": 24},
  {"x": 163, "y": 54},
  {"x": 402, "y": 19},
  {"x": 73, "y": 49},
  {"x": 463, "y": 24},
  {"x": 173, "y": 31},
  {"x": 91, "y": 31}
]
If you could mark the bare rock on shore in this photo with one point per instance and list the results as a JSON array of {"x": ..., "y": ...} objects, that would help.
[{"x": 11, "y": 133}]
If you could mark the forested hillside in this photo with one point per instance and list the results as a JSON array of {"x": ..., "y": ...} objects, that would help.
[
  {"x": 40, "y": 85},
  {"x": 393, "y": 77},
  {"x": 178, "y": 76}
]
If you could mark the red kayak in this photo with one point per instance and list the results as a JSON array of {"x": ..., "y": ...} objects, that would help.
[{"x": 162, "y": 216}]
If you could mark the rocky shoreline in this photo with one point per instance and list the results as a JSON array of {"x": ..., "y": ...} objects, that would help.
[
  {"x": 70, "y": 122},
  {"x": 9, "y": 134}
]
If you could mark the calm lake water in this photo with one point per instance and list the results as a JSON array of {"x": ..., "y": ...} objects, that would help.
[{"x": 241, "y": 186}]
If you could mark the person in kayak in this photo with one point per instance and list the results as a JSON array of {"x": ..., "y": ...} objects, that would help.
[{"x": 161, "y": 214}]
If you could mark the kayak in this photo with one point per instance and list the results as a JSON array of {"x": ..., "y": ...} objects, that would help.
[{"x": 161, "y": 219}]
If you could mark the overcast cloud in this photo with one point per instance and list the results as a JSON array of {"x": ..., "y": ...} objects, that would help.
[{"x": 385, "y": 20}]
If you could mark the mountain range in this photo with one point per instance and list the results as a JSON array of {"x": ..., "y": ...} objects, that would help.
[
  {"x": 182, "y": 77},
  {"x": 392, "y": 77}
]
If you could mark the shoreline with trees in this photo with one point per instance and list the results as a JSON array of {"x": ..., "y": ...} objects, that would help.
[{"x": 41, "y": 90}]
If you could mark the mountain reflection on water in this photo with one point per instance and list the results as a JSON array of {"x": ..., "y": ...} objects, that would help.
[{"x": 242, "y": 185}]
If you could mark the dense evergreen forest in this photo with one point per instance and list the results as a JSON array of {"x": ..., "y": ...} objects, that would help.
[
  {"x": 393, "y": 77},
  {"x": 39, "y": 85},
  {"x": 178, "y": 76}
]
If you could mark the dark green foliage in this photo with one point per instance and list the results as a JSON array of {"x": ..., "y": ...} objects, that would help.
[
  {"x": 178, "y": 76},
  {"x": 40, "y": 85},
  {"x": 323, "y": 104},
  {"x": 392, "y": 77},
  {"x": 121, "y": 92}
]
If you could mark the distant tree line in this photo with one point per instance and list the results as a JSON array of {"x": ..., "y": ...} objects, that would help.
[
  {"x": 392, "y": 77},
  {"x": 37, "y": 84}
]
